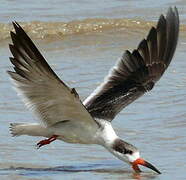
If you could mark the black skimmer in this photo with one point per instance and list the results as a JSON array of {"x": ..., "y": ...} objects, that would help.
[{"x": 65, "y": 117}]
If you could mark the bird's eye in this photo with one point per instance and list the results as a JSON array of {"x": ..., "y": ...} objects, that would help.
[
  {"x": 129, "y": 152},
  {"x": 120, "y": 150}
]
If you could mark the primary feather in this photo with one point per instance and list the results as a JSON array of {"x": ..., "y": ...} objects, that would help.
[
  {"x": 138, "y": 71},
  {"x": 40, "y": 87}
]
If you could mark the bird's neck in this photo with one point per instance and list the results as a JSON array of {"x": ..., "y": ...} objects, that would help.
[
  {"x": 107, "y": 134},
  {"x": 111, "y": 141},
  {"x": 113, "y": 145}
]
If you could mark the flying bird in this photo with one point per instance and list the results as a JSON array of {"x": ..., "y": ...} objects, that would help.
[{"x": 65, "y": 117}]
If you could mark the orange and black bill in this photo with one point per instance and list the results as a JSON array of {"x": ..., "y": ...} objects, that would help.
[{"x": 142, "y": 162}]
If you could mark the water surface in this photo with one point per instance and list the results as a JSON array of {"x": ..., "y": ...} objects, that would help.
[{"x": 82, "y": 41}]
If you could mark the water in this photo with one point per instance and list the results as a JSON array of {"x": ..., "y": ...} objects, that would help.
[{"x": 82, "y": 41}]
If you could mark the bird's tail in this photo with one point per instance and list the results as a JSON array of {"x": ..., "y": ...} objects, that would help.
[{"x": 17, "y": 129}]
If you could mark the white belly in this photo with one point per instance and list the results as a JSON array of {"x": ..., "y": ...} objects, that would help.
[
  {"x": 82, "y": 133},
  {"x": 76, "y": 132}
]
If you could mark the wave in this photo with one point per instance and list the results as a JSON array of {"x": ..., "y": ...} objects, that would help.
[{"x": 42, "y": 30}]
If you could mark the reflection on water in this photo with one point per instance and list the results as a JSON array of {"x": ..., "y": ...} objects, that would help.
[{"x": 60, "y": 170}]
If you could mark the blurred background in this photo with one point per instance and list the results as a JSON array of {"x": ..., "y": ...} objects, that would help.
[{"x": 82, "y": 40}]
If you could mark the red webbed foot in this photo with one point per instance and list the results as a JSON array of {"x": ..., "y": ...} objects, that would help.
[{"x": 46, "y": 141}]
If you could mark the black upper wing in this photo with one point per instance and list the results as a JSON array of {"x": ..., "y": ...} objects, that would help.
[{"x": 136, "y": 72}]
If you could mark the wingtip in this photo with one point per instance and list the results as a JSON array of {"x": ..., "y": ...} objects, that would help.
[
  {"x": 161, "y": 18},
  {"x": 12, "y": 34},
  {"x": 152, "y": 33},
  {"x": 14, "y": 23},
  {"x": 142, "y": 46},
  {"x": 176, "y": 10},
  {"x": 16, "y": 26},
  {"x": 11, "y": 47},
  {"x": 10, "y": 72},
  {"x": 173, "y": 11},
  {"x": 176, "y": 13}
]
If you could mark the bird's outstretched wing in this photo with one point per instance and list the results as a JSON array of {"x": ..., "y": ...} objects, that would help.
[
  {"x": 136, "y": 72},
  {"x": 40, "y": 87}
]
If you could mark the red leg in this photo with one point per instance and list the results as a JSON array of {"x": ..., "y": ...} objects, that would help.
[{"x": 46, "y": 141}]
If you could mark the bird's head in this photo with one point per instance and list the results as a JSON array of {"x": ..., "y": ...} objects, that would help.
[{"x": 130, "y": 154}]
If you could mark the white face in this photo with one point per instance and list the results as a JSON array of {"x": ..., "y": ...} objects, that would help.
[{"x": 133, "y": 157}]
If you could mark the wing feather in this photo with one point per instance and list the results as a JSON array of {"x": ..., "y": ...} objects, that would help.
[
  {"x": 40, "y": 87},
  {"x": 137, "y": 72}
]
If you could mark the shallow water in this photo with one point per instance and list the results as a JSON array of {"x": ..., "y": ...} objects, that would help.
[{"x": 155, "y": 123}]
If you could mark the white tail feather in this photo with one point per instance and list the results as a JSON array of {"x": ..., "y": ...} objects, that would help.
[{"x": 31, "y": 129}]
